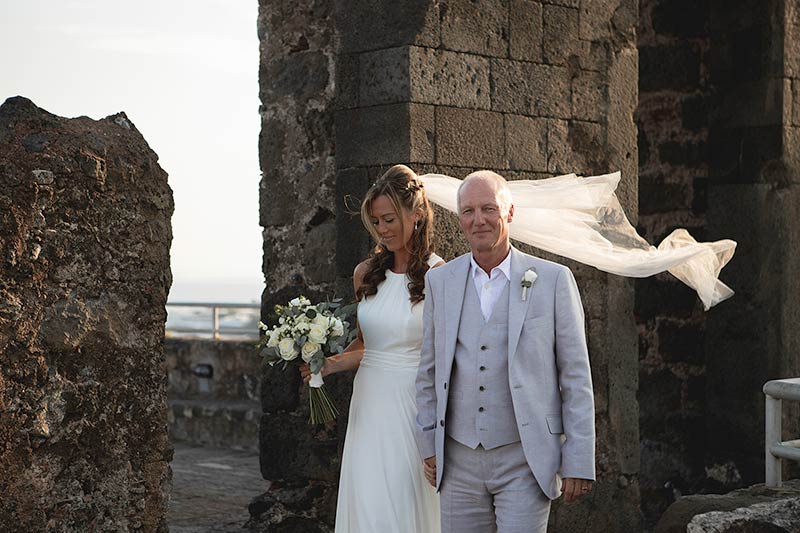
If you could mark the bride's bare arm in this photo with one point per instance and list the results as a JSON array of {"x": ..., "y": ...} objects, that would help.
[{"x": 351, "y": 357}]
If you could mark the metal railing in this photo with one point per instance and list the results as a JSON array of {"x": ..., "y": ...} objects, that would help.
[
  {"x": 776, "y": 449},
  {"x": 215, "y": 330}
]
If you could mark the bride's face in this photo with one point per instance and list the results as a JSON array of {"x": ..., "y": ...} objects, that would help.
[{"x": 394, "y": 229}]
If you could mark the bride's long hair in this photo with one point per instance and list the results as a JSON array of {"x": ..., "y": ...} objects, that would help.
[{"x": 404, "y": 190}]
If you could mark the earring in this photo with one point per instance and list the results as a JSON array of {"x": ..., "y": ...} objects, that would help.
[{"x": 416, "y": 225}]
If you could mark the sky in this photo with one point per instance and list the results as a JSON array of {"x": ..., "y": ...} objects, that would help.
[{"x": 186, "y": 74}]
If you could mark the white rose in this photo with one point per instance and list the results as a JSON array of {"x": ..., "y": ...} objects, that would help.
[
  {"x": 337, "y": 328},
  {"x": 273, "y": 339},
  {"x": 287, "y": 349},
  {"x": 300, "y": 301},
  {"x": 309, "y": 349},
  {"x": 321, "y": 320},
  {"x": 530, "y": 276},
  {"x": 317, "y": 333}
]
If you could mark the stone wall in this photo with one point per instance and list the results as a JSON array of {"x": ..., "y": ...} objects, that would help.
[
  {"x": 718, "y": 155},
  {"x": 299, "y": 193},
  {"x": 529, "y": 89},
  {"x": 84, "y": 274},
  {"x": 673, "y": 121},
  {"x": 214, "y": 392}
]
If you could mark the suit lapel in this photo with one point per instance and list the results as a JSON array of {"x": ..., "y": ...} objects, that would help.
[
  {"x": 454, "y": 287},
  {"x": 517, "y": 308}
]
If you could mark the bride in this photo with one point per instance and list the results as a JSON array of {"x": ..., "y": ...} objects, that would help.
[{"x": 381, "y": 485}]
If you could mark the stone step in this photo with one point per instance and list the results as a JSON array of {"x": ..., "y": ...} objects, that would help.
[{"x": 229, "y": 424}]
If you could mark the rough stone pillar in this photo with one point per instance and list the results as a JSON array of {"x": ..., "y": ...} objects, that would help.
[
  {"x": 84, "y": 274},
  {"x": 754, "y": 198},
  {"x": 299, "y": 214},
  {"x": 529, "y": 89}
]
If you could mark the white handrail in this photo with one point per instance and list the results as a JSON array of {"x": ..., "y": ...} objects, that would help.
[
  {"x": 215, "y": 328},
  {"x": 775, "y": 448}
]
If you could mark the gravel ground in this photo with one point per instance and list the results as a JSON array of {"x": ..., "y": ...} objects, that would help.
[{"x": 211, "y": 489}]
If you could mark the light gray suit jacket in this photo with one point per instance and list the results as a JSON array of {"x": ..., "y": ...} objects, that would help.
[{"x": 548, "y": 368}]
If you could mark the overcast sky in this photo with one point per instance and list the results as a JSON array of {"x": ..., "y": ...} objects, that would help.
[{"x": 186, "y": 73}]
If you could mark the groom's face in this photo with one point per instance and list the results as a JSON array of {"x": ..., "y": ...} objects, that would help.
[{"x": 483, "y": 217}]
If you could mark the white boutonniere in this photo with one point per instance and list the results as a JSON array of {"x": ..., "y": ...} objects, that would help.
[{"x": 528, "y": 278}]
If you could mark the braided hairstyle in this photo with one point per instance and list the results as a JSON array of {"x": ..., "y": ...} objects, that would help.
[{"x": 404, "y": 190}]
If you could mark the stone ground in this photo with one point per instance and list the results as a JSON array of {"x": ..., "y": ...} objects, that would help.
[{"x": 211, "y": 489}]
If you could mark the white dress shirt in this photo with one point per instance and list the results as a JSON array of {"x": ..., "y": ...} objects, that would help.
[{"x": 489, "y": 288}]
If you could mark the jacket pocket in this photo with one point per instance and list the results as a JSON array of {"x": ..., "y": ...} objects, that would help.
[{"x": 554, "y": 424}]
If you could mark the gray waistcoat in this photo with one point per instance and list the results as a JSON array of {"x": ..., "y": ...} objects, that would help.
[{"x": 480, "y": 410}]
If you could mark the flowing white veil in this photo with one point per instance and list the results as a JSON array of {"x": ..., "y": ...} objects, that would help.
[{"x": 582, "y": 219}]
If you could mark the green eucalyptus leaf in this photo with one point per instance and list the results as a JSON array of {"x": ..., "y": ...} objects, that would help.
[{"x": 316, "y": 364}]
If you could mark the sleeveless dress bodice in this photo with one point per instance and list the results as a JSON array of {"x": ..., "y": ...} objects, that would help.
[{"x": 391, "y": 325}]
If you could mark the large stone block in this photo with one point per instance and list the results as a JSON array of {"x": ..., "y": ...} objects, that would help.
[
  {"x": 795, "y": 102},
  {"x": 477, "y": 27},
  {"x": 745, "y": 55},
  {"x": 739, "y": 155},
  {"x": 681, "y": 342},
  {"x": 383, "y": 76},
  {"x": 575, "y": 146},
  {"x": 303, "y": 75},
  {"x": 785, "y": 172},
  {"x": 84, "y": 239},
  {"x": 749, "y": 13},
  {"x": 602, "y": 20},
  {"x": 347, "y": 80},
  {"x": 589, "y": 96},
  {"x": 530, "y": 89},
  {"x": 449, "y": 78},
  {"x": 526, "y": 143},
  {"x": 470, "y": 138},
  {"x": 363, "y": 25},
  {"x": 765, "y": 104},
  {"x": 384, "y": 135},
  {"x": 687, "y": 154},
  {"x": 525, "y": 25},
  {"x": 669, "y": 67},
  {"x": 681, "y": 18},
  {"x": 560, "y": 34},
  {"x": 594, "y": 55}
]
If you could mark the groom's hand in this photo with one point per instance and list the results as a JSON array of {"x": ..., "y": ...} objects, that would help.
[
  {"x": 574, "y": 488},
  {"x": 429, "y": 467}
]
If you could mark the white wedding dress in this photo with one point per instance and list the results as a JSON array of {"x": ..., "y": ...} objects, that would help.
[{"x": 382, "y": 488}]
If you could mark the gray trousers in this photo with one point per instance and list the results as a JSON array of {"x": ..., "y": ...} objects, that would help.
[{"x": 485, "y": 491}]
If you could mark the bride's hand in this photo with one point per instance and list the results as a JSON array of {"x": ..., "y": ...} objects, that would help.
[{"x": 305, "y": 371}]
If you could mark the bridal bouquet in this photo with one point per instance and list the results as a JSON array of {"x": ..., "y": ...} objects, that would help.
[{"x": 308, "y": 332}]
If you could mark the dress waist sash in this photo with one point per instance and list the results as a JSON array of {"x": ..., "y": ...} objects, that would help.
[{"x": 389, "y": 360}]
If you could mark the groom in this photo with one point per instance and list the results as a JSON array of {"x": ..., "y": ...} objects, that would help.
[{"x": 504, "y": 390}]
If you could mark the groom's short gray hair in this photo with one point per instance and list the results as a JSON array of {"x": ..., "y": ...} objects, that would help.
[{"x": 500, "y": 187}]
